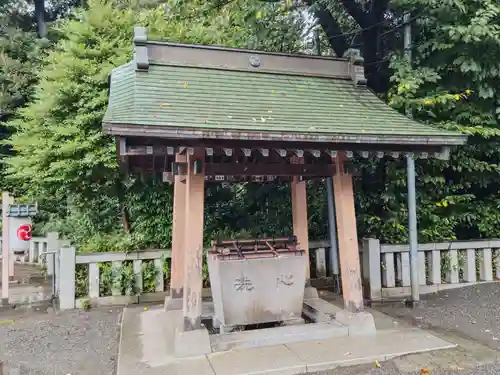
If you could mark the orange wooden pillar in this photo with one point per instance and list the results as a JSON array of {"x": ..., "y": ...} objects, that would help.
[
  {"x": 193, "y": 240},
  {"x": 299, "y": 217},
  {"x": 174, "y": 302},
  {"x": 347, "y": 238}
]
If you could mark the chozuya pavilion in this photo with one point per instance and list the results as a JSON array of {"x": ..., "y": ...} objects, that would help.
[{"x": 201, "y": 115}]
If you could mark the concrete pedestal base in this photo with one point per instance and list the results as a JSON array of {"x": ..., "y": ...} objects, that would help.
[
  {"x": 293, "y": 322},
  {"x": 192, "y": 343},
  {"x": 307, "y": 348},
  {"x": 360, "y": 323},
  {"x": 310, "y": 292},
  {"x": 172, "y": 304},
  {"x": 223, "y": 329}
]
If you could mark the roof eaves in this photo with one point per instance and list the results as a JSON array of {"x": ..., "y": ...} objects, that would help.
[{"x": 174, "y": 132}]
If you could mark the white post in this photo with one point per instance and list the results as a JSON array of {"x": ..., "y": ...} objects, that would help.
[
  {"x": 388, "y": 274},
  {"x": 497, "y": 264},
  {"x": 320, "y": 263},
  {"x": 405, "y": 269},
  {"x": 67, "y": 258},
  {"x": 94, "y": 280},
  {"x": 52, "y": 245},
  {"x": 470, "y": 266},
  {"x": 137, "y": 265},
  {"x": 435, "y": 267},
  {"x": 371, "y": 267},
  {"x": 452, "y": 272},
  {"x": 422, "y": 276},
  {"x": 31, "y": 253},
  {"x": 116, "y": 267},
  {"x": 5, "y": 248},
  {"x": 486, "y": 266},
  {"x": 159, "y": 287}
]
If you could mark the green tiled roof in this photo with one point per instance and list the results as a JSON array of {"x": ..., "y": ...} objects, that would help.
[{"x": 210, "y": 99}]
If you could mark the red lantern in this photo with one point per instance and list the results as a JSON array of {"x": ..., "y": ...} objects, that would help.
[{"x": 24, "y": 232}]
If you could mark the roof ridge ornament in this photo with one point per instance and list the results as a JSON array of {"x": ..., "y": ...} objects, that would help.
[
  {"x": 356, "y": 68},
  {"x": 141, "y": 57}
]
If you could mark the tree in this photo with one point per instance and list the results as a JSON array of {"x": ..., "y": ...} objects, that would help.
[
  {"x": 452, "y": 84},
  {"x": 366, "y": 24},
  {"x": 62, "y": 159}
]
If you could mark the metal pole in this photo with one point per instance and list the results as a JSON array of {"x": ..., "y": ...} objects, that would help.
[
  {"x": 412, "y": 205},
  {"x": 334, "y": 256},
  {"x": 332, "y": 227}
]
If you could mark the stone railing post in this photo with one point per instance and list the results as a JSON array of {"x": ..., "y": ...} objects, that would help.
[
  {"x": 371, "y": 268},
  {"x": 67, "y": 262},
  {"x": 320, "y": 263},
  {"x": 52, "y": 245}
]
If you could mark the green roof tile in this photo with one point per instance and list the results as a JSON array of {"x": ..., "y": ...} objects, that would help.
[{"x": 198, "y": 98}]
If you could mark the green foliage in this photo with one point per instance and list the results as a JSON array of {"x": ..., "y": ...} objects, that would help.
[
  {"x": 123, "y": 278},
  {"x": 453, "y": 84},
  {"x": 64, "y": 161},
  {"x": 149, "y": 272}
]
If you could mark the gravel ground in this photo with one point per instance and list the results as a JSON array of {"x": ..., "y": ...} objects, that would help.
[
  {"x": 76, "y": 342},
  {"x": 388, "y": 368},
  {"x": 471, "y": 311}
]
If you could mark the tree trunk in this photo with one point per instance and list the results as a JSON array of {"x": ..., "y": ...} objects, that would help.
[{"x": 40, "y": 18}]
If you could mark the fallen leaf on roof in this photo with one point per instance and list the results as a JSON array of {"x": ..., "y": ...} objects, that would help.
[
  {"x": 164, "y": 105},
  {"x": 186, "y": 85},
  {"x": 254, "y": 119}
]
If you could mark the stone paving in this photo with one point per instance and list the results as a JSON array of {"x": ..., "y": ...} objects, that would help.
[
  {"x": 24, "y": 272},
  {"x": 30, "y": 286},
  {"x": 147, "y": 342}
]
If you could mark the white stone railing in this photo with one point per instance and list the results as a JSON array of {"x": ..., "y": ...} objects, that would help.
[
  {"x": 70, "y": 262},
  {"x": 38, "y": 246},
  {"x": 444, "y": 265}
]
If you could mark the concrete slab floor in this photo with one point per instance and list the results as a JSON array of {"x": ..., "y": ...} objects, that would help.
[
  {"x": 277, "y": 336},
  {"x": 468, "y": 358},
  {"x": 146, "y": 348},
  {"x": 327, "y": 354},
  {"x": 382, "y": 321}
]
